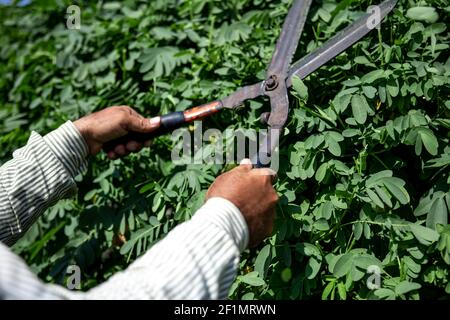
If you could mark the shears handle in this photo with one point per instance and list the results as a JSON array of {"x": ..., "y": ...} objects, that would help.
[
  {"x": 259, "y": 165},
  {"x": 267, "y": 148},
  {"x": 168, "y": 123}
]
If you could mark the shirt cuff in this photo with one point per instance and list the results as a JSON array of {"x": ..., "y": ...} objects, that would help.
[
  {"x": 69, "y": 147},
  {"x": 227, "y": 216}
]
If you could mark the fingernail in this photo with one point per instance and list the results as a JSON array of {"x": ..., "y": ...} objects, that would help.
[
  {"x": 155, "y": 121},
  {"x": 246, "y": 161}
]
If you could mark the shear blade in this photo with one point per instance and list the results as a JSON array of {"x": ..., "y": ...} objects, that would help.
[
  {"x": 288, "y": 39},
  {"x": 344, "y": 39}
]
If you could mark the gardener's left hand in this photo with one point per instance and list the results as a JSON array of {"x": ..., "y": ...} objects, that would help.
[{"x": 112, "y": 123}]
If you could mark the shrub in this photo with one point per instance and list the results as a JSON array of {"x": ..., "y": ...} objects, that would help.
[{"x": 365, "y": 179}]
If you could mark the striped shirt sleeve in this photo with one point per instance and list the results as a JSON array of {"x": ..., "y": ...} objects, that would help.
[
  {"x": 196, "y": 260},
  {"x": 38, "y": 176}
]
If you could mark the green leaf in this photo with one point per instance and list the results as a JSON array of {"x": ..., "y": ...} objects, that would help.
[
  {"x": 300, "y": 88},
  {"x": 397, "y": 189},
  {"x": 161, "y": 61},
  {"x": 385, "y": 293},
  {"x": 154, "y": 221},
  {"x": 383, "y": 196},
  {"x": 373, "y": 179},
  {"x": 262, "y": 261},
  {"x": 333, "y": 147},
  {"x": 364, "y": 261},
  {"x": 425, "y": 235},
  {"x": 104, "y": 184},
  {"x": 342, "y": 291},
  {"x": 429, "y": 140},
  {"x": 313, "y": 267},
  {"x": 438, "y": 213},
  {"x": 424, "y": 206},
  {"x": 343, "y": 265},
  {"x": 348, "y": 133},
  {"x": 326, "y": 292},
  {"x": 405, "y": 287},
  {"x": 252, "y": 279},
  {"x": 363, "y": 60},
  {"x": 89, "y": 195},
  {"x": 359, "y": 108},
  {"x": 356, "y": 274},
  {"x": 358, "y": 230},
  {"x": 286, "y": 275},
  {"x": 393, "y": 87},
  {"x": 427, "y": 14},
  {"x": 369, "y": 91},
  {"x": 372, "y": 76},
  {"x": 321, "y": 172},
  {"x": 248, "y": 296},
  {"x": 321, "y": 225},
  {"x": 308, "y": 249},
  {"x": 327, "y": 210},
  {"x": 127, "y": 246},
  {"x": 376, "y": 200}
]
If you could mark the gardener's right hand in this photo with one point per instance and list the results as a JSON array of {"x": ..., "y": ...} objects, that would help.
[{"x": 250, "y": 190}]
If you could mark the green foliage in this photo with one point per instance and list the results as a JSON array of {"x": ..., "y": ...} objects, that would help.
[{"x": 365, "y": 157}]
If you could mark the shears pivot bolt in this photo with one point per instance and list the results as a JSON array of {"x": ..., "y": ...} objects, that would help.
[{"x": 271, "y": 83}]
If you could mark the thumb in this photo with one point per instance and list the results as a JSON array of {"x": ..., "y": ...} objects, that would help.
[
  {"x": 246, "y": 164},
  {"x": 138, "y": 124}
]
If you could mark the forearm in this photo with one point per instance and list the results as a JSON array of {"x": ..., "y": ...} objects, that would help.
[
  {"x": 38, "y": 176},
  {"x": 197, "y": 260}
]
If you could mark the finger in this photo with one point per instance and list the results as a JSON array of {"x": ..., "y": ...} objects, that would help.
[
  {"x": 246, "y": 164},
  {"x": 132, "y": 112},
  {"x": 126, "y": 153},
  {"x": 112, "y": 155},
  {"x": 137, "y": 114},
  {"x": 120, "y": 150},
  {"x": 138, "y": 124},
  {"x": 133, "y": 146}
]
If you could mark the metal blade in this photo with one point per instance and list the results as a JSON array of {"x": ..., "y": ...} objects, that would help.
[
  {"x": 288, "y": 40},
  {"x": 341, "y": 41},
  {"x": 246, "y": 93}
]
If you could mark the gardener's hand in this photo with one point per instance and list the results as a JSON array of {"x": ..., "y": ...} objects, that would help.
[
  {"x": 250, "y": 190},
  {"x": 111, "y": 123}
]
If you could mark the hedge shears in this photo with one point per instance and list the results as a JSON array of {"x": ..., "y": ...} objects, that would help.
[{"x": 278, "y": 78}]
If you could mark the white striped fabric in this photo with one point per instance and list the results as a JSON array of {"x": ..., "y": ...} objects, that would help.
[
  {"x": 196, "y": 260},
  {"x": 40, "y": 174}
]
